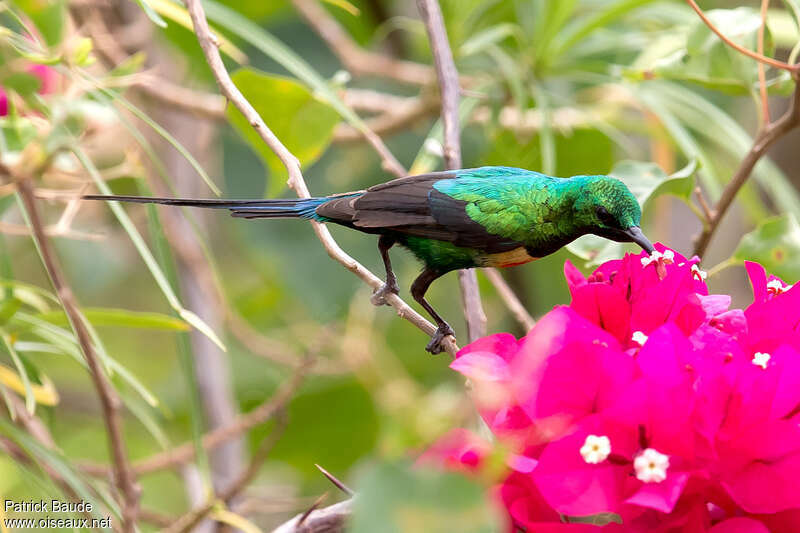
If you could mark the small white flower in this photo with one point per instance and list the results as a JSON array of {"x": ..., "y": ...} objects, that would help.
[
  {"x": 761, "y": 359},
  {"x": 700, "y": 275},
  {"x": 668, "y": 257},
  {"x": 595, "y": 449},
  {"x": 775, "y": 287},
  {"x": 651, "y": 466},
  {"x": 639, "y": 338}
]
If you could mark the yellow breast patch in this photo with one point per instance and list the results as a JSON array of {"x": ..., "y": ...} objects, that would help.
[{"x": 517, "y": 256}]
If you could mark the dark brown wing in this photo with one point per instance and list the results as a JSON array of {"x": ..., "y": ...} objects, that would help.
[{"x": 412, "y": 206}]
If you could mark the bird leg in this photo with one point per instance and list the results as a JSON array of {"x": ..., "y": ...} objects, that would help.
[
  {"x": 418, "y": 290},
  {"x": 390, "y": 286}
]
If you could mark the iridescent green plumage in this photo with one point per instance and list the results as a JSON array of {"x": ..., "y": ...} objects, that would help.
[{"x": 488, "y": 216}]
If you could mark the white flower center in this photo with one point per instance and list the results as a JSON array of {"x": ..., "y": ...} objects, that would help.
[
  {"x": 761, "y": 359},
  {"x": 700, "y": 275},
  {"x": 668, "y": 257},
  {"x": 651, "y": 466},
  {"x": 595, "y": 449},
  {"x": 776, "y": 287},
  {"x": 639, "y": 338}
]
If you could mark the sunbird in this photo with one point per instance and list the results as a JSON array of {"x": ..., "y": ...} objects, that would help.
[{"x": 480, "y": 217}]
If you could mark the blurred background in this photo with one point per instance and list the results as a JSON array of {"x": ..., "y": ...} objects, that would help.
[{"x": 638, "y": 88}]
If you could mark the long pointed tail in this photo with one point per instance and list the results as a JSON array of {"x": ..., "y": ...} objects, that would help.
[{"x": 277, "y": 208}]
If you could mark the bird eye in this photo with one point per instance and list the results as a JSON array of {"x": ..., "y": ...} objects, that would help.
[{"x": 604, "y": 216}]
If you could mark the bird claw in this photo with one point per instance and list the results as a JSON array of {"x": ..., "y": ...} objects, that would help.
[
  {"x": 379, "y": 296},
  {"x": 436, "y": 345}
]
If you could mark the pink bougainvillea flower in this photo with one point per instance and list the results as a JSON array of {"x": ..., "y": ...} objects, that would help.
[
  {"x": 47, "y": 76},
  {"x": 524, "y": 502},
  {"x": 739, "y": 525},
  {"x": 573, "y": 484},
  {"x": 774, "y": 316},
  {"x": 647, "y": 401},
  {"x": 758, "y": 443},
  {"x": 635, "y": 295},
  {"x": 589, "y": 364}
]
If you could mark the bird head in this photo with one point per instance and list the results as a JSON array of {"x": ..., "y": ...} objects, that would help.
[{"x": 608, "y": 209}]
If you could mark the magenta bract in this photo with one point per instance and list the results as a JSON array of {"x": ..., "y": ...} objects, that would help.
[{"x": 647, "y": 398}]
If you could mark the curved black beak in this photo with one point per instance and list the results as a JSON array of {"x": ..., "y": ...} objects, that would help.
[{"x": 635, "y": 234}]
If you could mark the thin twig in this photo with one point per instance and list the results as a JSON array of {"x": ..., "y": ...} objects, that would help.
[
  {"x": 271, "y": 349},
  {"x": 186, "y": 452},
  {"x": 762, "y": 71},
  {"x": 336, "y": 482},
  {"x": 190, "y": 519},
  {"x": 397, "y": 114},
  {"x": 21, "y": 456},
  {"x": 296, "y": 181},
  {"x": 510, "y": 298},
  {"x": 450, "y": 90},
  {"x": 124, "y": 477},
  {"x": 355, "y": 59},
  {"x": 207, "y": 105},
  {"x": 765, "y": 137},
  {"x": 327, "y": 520},
  {"x": 757, "y": 56},
  {"x": 314, "y": 507},
  {"x": 701, "y": 199}
]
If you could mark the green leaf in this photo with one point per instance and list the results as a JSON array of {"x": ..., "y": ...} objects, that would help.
[
  {"x": 707, "y": 61},
  {"x": 794, "y": 7},
  {"x": 15, "y": 133},
  {"x": 647, "y": 180},
  {"x": 146, "y": 254},
  {"x": 151, "y": 13},
  {"x": 304, "y": 124},
  {"x": 345, "y": 6},
  {"x": 47, "y": 15},
  {"x": 775, "y": 243},
  {"x": 265, "y": 42},
  {"x": 30, "y": 400},
  {"x": 121, "y": 317},
  {"x": 86, "y": 490},
  {"x": 393, "y": 498},
  {"x": 484, "y": 38},
  {"x": 23, "y": 83},
  {"x": 584, "y": 26},
  {"x": 144, "y": 117},
  {"x": 8, "y": 308}
]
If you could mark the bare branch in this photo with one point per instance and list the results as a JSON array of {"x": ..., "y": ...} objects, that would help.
[
  {"x": 765, "y": 137},
  {"x": 450, "y": 91},
  {"x": 397, "y": 113},
  {"x": 190, "y": 519},
  {"x": 186, "y": 452},
  {"x": 336, "y": 482},
  {"x": 296, "y": 181},
  {"x": 749, "y": 53},
  {"x": 355, "y": 59},
  {"x": 705, "y": 208},
  {"x": 510, "y": 298},
  {"x": 124, "y": 477},
  {"x": 328, "y": 520}
]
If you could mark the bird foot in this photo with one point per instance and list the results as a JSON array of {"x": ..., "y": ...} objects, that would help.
[
  {"x": 379, "y": 296},
  {"x": 436, "y": 344}
]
